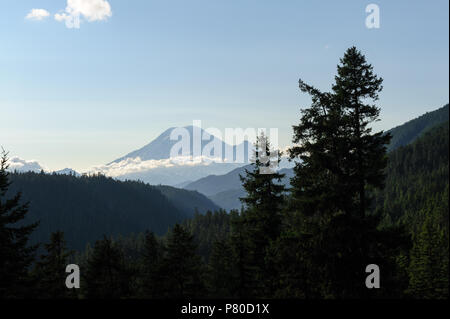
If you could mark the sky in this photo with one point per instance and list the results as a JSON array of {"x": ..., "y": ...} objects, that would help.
[{"x": 83, "y": 94}]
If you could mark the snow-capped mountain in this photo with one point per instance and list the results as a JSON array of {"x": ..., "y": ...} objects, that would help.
[
  {"x": 153, "y": 162},
  {"x": 160, "y": 147},
  {"x": 67, "y": 171}
]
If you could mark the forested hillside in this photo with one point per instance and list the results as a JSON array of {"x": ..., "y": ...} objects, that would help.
[
  {"x": 189, "y": 202},
  {"x": 86, "y": 208},
  {"x": 417, "y": 179},
  {"x": 406, "y": 133},
  {"x": 416, "y": 196}
]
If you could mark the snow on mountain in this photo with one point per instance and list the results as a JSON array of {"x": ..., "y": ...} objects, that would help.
[
  {"x": 160, "y": 147},
  {"x": 153, "y": 162},
  {"x": 67, "y": 171}
]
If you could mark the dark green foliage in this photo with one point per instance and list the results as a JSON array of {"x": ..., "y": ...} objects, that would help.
[
  {"x": 345, "y": 246},
  {"x": 417, "y": 180},
  {"x": 106, "y": 274},
  {"x": 16, "y": 255},
  {"x": 208, "y": 228},
  {"x": 221, "y": 274},
  {"x": 428, "y": 269},
  {"x": 49, "y": 271},
  {"x": 150, "y": 261},
  {"x": 85, "y": 208},
  {"x": 416, "y": 196},
  {"x": 181, "y": 267},
  {"x": 260, "y": 220},
  {"x": 187, "y": 201},
  {"x": 150, "y": 267},
  {"x": 340, "y": 159},
  {"x": 244, "y": 270},
  {"x": 339, "y": 154}
]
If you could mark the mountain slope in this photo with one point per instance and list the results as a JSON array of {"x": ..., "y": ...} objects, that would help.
[
  {"x": 86, "y": 208},
  {"x": 406, "y": 133},
  {"x": 229, "y": 199},
  {"x": 187, "y": 201},
  {"x": 214, "y": 184},
  {"x": 417, "y": 179},
  {"x": 225, "y": 190}
]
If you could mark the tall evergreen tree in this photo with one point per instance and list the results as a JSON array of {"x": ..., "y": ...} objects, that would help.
[
  {"x": 50, "y": 269},
  {"x": 340, "y": 159},
  {"x": 241, "y": 258},
  {"x": 151, "y": 267},
  {"x": 15, "y": 254},
  {"x": 182, "y": 268},
  {"x": 221, "y": 275},
  {"x": 261, "y": 219},
  {"x": 107, "y": 276},
  {"x": 355, "y": 91}
]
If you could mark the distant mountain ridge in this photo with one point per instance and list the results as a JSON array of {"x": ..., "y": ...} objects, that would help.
[
  {"x": 229, "y": 198},
  {"x": 187, "y": 201},
  {"x": 214, "y": 184}
]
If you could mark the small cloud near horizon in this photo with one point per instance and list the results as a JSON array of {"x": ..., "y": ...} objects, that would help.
[{"x": 20, "y": 165}]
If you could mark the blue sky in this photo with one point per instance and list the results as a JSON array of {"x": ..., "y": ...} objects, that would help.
[{"x": 82, "y": 97}]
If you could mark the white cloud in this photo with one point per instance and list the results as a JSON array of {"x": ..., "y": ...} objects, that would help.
[
  {"x": 90, "y": 10},
  {"x": 136, "y": 165},
  {"x": 72, "y": 21},
  {"x": 37, "y": 14},
  {"x": 21, "y": 165}
]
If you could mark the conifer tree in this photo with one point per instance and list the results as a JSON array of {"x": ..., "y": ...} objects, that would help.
[
  {"x": 340, "y": 160},
  {"x": 354, "y": 94},
  {"x": 262, "y": 216},
  {"x": 50, "y": 269},
  {"x": 428, "y": 269},
  {"x": 151, "y": 265},
  {"x": 182, "y": 268},
  {"x": 107, "y": 276},
  {"x": 240, "y": 255},
  {"x": 16, "y": 255},
  {"x": 221, "y": 276}
]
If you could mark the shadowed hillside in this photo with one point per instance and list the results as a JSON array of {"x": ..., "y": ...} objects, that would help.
[{"x": 86, "y": 208}]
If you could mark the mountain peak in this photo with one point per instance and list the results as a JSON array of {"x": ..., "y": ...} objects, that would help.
[{"x": 160, "y": 147}]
